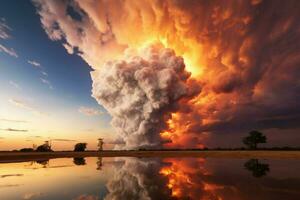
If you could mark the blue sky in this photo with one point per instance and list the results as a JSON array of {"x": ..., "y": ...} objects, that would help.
[{"x": 43, "y": 77}]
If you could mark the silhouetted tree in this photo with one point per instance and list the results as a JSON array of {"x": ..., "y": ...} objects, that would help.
[
  {"x": 80, "y": 147},
  {"x": 79, "y": 161},
  {"x": 27, "y": 150},
  {"x": 254, "y": 138},
  {"x": 44, "y": 148},
  {"x": 258, "y": 169}
]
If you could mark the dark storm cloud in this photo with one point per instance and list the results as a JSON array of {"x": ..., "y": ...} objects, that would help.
[
  {"x": 256, "y": 71},
  {"x": 248, "y": 52}
]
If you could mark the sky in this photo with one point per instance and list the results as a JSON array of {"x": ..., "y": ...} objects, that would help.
[
  {"x": 45, "y": 92},
  {"x": 149, "y": 74}
]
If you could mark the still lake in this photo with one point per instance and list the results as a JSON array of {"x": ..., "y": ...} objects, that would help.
[{"x": 151, "y": 178}]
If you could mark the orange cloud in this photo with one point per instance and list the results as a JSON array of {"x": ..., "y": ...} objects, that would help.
[{"x": 243, "y": 58}]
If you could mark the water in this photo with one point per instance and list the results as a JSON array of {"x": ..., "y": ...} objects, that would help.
[{"x": 151, "y": 178}]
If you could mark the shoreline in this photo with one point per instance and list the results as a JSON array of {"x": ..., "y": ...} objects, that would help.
[{"x": 6, "y": 157}]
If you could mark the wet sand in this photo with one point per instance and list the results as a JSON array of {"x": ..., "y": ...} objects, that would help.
[{"x": 30, "y": 156}]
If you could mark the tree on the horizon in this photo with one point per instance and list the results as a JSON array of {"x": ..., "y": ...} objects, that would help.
[
  {"x": 80, "y": 147},
  {"x": 27, "y": 150},
  {"x": 254, "y": 138},
  {"x": 44, "y": 148}
]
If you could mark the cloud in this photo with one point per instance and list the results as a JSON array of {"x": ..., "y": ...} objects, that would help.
[
  {"x": 45, "y": 81},
  {"x": 24, "y": 105},
  {"x": 77, "y": 34},
  {"x": 14, "y": 130},
  {"x": 40, "y": 68},
  {"x": 10, "y": 175},
  {"x": 118, "y": 141},
  {"x": 12, "y": 120},
  {"x": 63, "y": 140},
  {"x": 9, "y": 51},
  {"x": 33, "y": 138},
  {"x": 14, "y": 85},
  {"x": 4, "y": 29},
  {"x": 247, "y": 62},
  {"x": 37, "y": 65},
  {"x": 88, "y": 130},
  {"x": 89, "y": 111},
  {"x": 44, "y": 73},
  {"x": 10, "y": 185},
  {"x": 69, "y": 48},
  {"x": 140, "y": 91},
  {"x": 20, "y": 104},
  {"x": 36, "y": 136},
  {"x": 34, "y": 63}
]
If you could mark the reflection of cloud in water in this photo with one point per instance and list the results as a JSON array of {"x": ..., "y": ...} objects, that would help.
[
  {"x": 214, "y": 179},
  {"x": 33, "y": 195},
  {"x": 194, "y": 179},
  {"x": 185, "y": 179},
  {"x": 152, "y": 178},
  {"x": 86, "y": 197},
  {"x": 137, "y": 179}
]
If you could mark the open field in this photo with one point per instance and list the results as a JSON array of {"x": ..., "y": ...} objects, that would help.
[{"x": 28, "y": 156}]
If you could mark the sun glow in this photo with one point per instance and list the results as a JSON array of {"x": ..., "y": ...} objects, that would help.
[{"x": 191, "y": 52}]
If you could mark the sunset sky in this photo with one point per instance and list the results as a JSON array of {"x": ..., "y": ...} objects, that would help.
[
  {"x": 45, "y": 92},
  {"x": 237, "y": 70}
]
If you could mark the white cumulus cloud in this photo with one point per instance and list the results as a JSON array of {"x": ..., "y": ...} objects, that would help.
[
  {"x": 9, "y": 51},
  {"x": 139, "y": 92},
  {"x": 89, "y": 111},
  {"x": 34, "y": 63},
  {"x": 4, "y": 29}
]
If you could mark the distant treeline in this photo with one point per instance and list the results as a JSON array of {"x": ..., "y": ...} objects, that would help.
[{"x": 192, "y": 149}]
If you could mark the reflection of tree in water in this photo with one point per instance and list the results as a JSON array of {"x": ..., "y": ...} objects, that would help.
[
  {"x": 79, "y": 161},
  {"x": 99, "y": 163},
  {"x": 36, "y": 164},
  {"x": 258, "y": 169},
  {"x": 44, "y": 163}
]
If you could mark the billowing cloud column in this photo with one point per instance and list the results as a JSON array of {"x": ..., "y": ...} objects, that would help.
[
  {"x": 244, "y": 53},
  {"x": 139, "y": 91}
]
